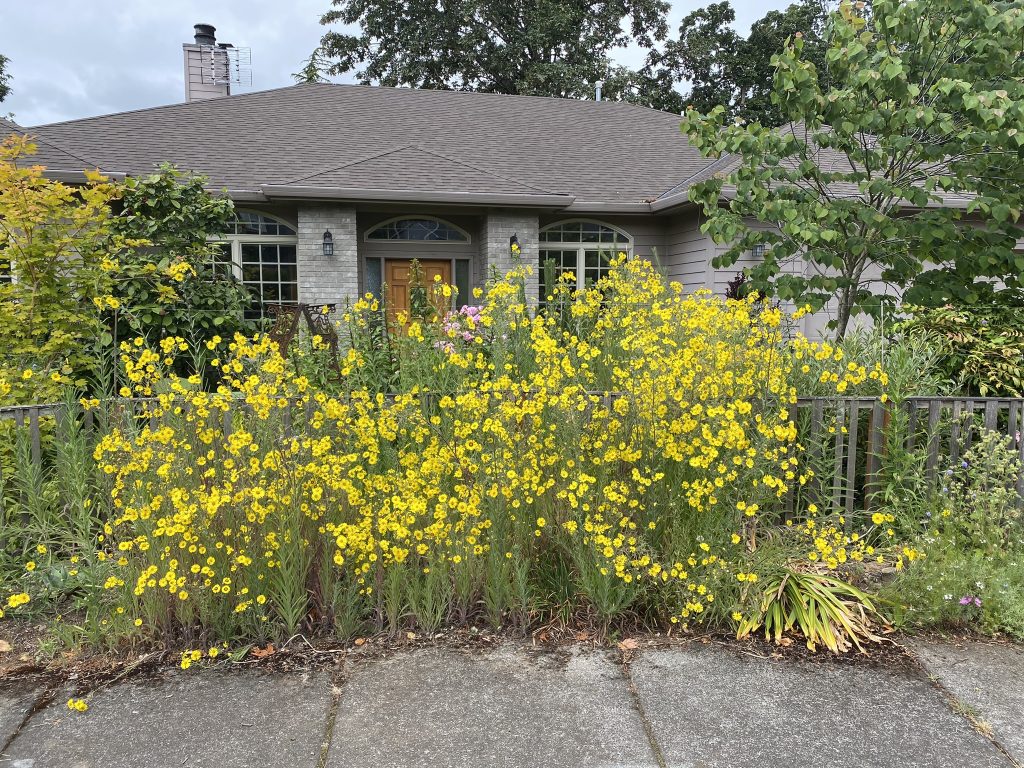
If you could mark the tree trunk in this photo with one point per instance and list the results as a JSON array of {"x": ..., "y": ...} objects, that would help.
[{"x": 845, "y": 310}]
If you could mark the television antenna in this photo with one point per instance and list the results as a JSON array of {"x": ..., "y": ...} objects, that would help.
[{"x": 224, "y": 64}]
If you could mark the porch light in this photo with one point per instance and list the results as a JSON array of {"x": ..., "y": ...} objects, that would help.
[
  {"x": 328, "y": 244},
  {"x": 513, "y": 244}
]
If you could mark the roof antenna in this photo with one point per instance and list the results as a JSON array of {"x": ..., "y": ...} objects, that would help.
[{"x": 597, "y": 95}]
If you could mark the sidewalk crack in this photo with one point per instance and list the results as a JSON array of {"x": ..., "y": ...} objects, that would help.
[
  {"x": 659, "y": 756},
  {"x": 43, "y": 700},
  {"x": 337, "y": 681}
]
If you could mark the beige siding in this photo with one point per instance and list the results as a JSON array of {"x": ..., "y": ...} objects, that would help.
[{"x": 687, "y": 256}]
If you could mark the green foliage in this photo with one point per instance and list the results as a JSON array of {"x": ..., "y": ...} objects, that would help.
[
  {"x": 972, "y": 571},
  {"x": 918, "y": 109},
  {"x": 173, "y": 288},
  {"x": 60, "y": 243},
  {"x": 313, "y": 68},
  {"x": 980, "y": 500},
  {"x": 824, "y": 609},
  {"x": 51, "y": 511},
  {"x": 724, "y": 68},
  {"x": 5, "y": 77},
  {"x": 542, "y": 47},
  {"x": 979, "y": 346}
]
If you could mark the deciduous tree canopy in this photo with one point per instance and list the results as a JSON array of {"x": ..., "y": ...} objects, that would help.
[
  {"x": 903, "y": 157},
  {"x": 721, "y": 67},
  {"x": 536, "y": 47},
  {"x": 5, "y": 78}
]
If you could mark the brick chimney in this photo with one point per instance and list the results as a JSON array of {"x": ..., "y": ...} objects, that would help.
[{"x": 206, "y": 66}]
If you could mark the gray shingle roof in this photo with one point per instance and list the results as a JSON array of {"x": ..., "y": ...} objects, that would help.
[
  {"x": 349, "y": 136},
  {"x": 47, "y": 153}
]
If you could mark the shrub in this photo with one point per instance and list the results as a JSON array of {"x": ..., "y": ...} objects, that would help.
[
  {"x": 981, "y": 347},
  {"x": 972, "y": 573},
  {"x": 176, "y": 216},
  {"x": 59, "y": 242},
  {"x": 615, "y": 458}
]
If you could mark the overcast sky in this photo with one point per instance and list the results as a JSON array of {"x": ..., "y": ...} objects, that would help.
[{"x": 76, "y": 58}]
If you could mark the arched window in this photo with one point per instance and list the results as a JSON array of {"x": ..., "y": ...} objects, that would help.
[
  {"x": 259, "y": 250},
  {"x": 417, "y": 229},
  {"x": 580, "y": 247}
]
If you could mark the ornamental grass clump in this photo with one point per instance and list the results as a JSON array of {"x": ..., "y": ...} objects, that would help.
[{"x": 614, "y": 459}]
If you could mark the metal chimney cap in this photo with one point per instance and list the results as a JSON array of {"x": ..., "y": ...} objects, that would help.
[{"x": 205, "y": 34}]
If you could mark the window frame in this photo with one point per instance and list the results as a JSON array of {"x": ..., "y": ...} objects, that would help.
[
  {"x": 626, "y": 245},
  {"x": 413, "y": 217},
  {"x": 236, "y": 241}
]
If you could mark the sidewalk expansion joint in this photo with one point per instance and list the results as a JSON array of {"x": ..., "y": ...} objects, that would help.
[
  {"x": 962, "y": 709},
  {"x": 659, "y": 756}
]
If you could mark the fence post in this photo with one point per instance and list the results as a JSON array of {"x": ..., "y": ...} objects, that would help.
[{"x": 932, "y": 462}]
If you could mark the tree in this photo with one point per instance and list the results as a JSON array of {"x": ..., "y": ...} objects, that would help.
[
  {"x": 59, "y": 243},
  {"x": 5, "y": 78},
  {"x": 538, "y": 47},
  {"x": 313, "y": 68},
  {"x": 908, "y": 164},
  {"x": 177, "y": 218},
  {"x": 723, "y": 68}
]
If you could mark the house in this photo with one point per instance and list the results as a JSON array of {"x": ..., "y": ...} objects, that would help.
[{"x": 339, "y": 187}]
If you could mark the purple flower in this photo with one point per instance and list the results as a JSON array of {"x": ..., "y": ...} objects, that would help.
[{"x": 966, "y": 600}]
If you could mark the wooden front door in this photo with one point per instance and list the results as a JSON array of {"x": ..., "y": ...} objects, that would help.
[{"x": 398, "y": 276}]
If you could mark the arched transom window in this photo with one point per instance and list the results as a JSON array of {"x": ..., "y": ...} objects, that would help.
[
  {"x": 260, "y": 251},
  {"x": 418, "y": 229},
  {"x": 581, "y": 248}
]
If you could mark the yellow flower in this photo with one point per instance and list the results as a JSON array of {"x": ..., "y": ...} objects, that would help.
[{"x": 77, "y": 705}]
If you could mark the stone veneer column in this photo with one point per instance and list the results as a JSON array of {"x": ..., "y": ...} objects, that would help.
[
  {"x": 323, "y": 280},
  {"x": 494, "y": 245}
]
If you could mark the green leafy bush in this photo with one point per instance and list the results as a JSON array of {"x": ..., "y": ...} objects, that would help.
[
  {"x": 972, "y": 572},
  {"x": 980, "y": 347}
]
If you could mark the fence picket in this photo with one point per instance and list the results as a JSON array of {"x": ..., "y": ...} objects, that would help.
[
  {"x": 837, "y": 473},
  {"x": 954, "y": 432},
  {"x": 875, "y": 443},
  {"x": 851, "y": 458}
]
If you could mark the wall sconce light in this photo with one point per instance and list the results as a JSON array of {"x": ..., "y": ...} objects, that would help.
[
  {"x": 513, "y": 244},
  {"x": 328, "y": 244}
]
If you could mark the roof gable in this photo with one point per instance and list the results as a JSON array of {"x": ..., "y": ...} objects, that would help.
[{"x": 415, "y": 168}]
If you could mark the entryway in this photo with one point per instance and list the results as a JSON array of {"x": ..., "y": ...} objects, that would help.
[{"x": 398, "y": 274}]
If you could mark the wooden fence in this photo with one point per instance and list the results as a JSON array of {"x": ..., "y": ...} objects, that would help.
[{"x": 847, "y": 440}]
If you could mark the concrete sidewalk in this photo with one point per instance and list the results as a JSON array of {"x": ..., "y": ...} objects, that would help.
[{"x": 694, "y": 705}]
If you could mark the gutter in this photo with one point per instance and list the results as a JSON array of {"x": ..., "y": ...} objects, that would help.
[
  {"x": 624, "y": 208},
  {"x": 355, "y": 194},
  {"x": 79, "y": 177}
]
